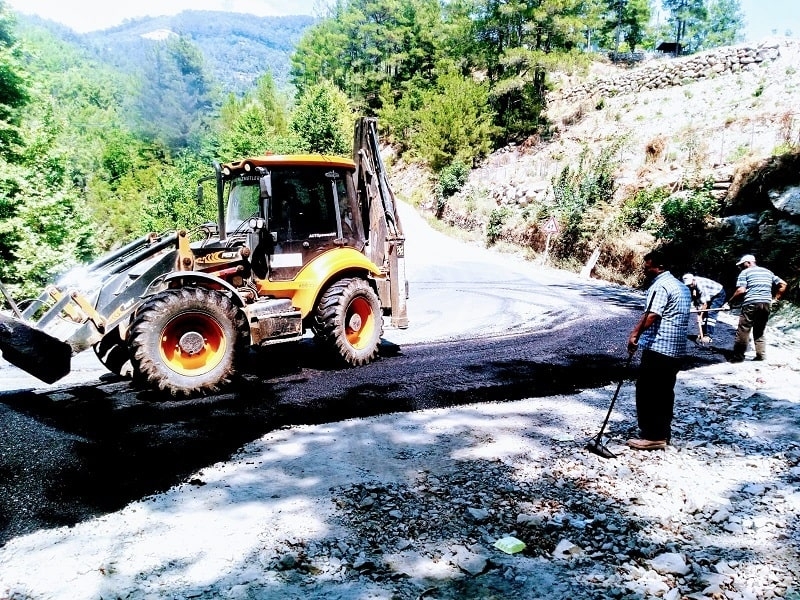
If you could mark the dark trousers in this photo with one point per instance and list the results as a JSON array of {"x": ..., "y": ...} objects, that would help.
[
  {"x": 655, "y": 394},
  {"x": 754, "y": 318}
]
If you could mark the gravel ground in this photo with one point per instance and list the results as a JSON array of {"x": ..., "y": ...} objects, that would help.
[{"x": 411, "y": 506}]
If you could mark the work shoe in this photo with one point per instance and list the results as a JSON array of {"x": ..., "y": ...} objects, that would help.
[{"x": 647, "y": 444}]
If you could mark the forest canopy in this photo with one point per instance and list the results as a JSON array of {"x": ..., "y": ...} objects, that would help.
[{"x": 104, "y": 136}]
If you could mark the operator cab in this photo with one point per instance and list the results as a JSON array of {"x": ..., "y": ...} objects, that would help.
[{"x": 291, "y": 209}]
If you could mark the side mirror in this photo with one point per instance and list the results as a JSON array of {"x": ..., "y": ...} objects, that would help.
[{"x": 265, "y": 184}]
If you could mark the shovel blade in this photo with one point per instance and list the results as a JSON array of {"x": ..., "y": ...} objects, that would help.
[
  {"x": 595, "y": 447},
  {"x": 32, "y": 350}
]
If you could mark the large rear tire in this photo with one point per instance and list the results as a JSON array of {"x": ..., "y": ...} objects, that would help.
[
  {"x": 114, "y": 354},
  {"x": 348, "y": 320},
  {"x": 187, "y": 341}
]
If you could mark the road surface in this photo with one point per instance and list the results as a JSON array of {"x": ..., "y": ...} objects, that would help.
[{"x": 484, "y": 327}]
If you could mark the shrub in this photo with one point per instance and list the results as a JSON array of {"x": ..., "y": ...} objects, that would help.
[
  {"x": 451, "y": 179},
  {"x": 654, "y": 149},
  {"x": 576, "y": 190},
  {"x": 494, "y": 228},
  {"x": 636, "y": 211},
  {"x": 684, "y": 217}
]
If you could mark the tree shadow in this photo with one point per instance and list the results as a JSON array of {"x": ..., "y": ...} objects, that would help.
[{"x": 452, "y": 483}]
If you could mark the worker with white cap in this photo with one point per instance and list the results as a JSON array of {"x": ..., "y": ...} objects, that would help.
[
  {"x": 758, "y": 288},
  {"x": 708, "y": 297}
]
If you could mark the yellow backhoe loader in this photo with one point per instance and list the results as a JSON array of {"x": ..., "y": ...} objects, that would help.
[{"x": 302, "y": 243}]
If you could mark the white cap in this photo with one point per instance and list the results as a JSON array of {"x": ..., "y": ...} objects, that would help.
[
  {"x": 746, "y": 258},
  {"x": 688, "y": 278}
]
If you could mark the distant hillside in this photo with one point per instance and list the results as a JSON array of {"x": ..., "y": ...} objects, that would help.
[{"x": 237, "y": 47}]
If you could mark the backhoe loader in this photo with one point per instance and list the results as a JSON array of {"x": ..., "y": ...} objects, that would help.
[{"x": 302, "y": 243}]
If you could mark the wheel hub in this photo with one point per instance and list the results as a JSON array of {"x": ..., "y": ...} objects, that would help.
[
  {"x": 191, "y": 343},
  {"x": 355, "y": 322}
]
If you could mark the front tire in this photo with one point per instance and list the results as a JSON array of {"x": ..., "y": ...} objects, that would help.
[
  {"x": 348, "y": 320},
  {"x": 187, "y": 341}
]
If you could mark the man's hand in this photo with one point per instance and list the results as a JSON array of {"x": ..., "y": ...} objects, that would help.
[{"x": 725, "y": 306}]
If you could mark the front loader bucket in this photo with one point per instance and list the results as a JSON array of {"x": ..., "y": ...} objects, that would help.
[{"x": 33, "y": 351}]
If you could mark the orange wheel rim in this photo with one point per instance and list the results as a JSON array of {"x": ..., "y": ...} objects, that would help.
[
  {"x": 193, "y": 344},
  {"x": 359, "y": 323}
]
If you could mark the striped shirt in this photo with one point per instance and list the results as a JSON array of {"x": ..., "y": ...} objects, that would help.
[
  {"x": 670, "y": 300},
  {"x": 757, "y": 282},
  {"x": 707, "y": 288}
]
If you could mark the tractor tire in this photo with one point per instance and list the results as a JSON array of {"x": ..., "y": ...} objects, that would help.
[
  {"x": 114, "y": 354},
  {"x": 348, "y": 319},
  {"x": 187, "y": 341}
]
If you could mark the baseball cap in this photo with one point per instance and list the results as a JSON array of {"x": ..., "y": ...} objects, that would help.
[
  {"x": 688, "y": 278},
  {"x": 746, "y": 258}
]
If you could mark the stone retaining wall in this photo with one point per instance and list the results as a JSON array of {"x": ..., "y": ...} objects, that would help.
[{"x": 668, "y": 72}]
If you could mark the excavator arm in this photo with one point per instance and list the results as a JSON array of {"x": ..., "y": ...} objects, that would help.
[{"x": 386, "y": 242}]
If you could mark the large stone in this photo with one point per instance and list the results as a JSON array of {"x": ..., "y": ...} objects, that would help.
[
  {"x": 670, "y": 563},
  {"x": 787, "y": 200}
]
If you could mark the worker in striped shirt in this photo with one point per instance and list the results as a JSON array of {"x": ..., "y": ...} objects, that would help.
[
  {"x": 757, "y": 288},
  {"x": 708, "y": 297}
]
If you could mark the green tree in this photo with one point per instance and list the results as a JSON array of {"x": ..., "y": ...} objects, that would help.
[
  {"x": 455, "y": 122},
  {"x": 42, "y": 223},
  {"x": 703, "y": 24},
  {"x": 399, "y": 114},
  {"x": 366, "y": 43},
  {"x": 626, "y": 20},
  {"x": 13, "y": 90},
  {"x": 177, "y": 95},
  {"x": 722, "y": 27},
  {"x": 255, "y": 124},
  {"x": 172, "y": 201},
  {"x": 519, "y": 42},
  {"x": 324, "y": 121},
  {"x": 685, "y": 14}
]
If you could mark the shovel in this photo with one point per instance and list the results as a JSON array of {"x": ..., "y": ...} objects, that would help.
[{"x": 595, "y": 446}]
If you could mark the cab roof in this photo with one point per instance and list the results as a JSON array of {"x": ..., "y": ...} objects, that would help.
[{"x": 287, "y": 160}]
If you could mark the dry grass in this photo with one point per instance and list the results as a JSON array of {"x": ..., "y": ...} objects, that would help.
[{"x": 654, "y": 150}]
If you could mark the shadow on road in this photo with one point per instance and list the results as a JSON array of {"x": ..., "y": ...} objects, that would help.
[{"x": 73, "y": 453}]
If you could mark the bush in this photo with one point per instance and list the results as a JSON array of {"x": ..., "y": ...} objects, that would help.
[
  {"x": 577, "y": 190},
  {"x": 639, "y": 209},
  {"x": 451, "y": 179},
  {"x": 684, "y": 218},
  {"x": 494, "y": 228}
]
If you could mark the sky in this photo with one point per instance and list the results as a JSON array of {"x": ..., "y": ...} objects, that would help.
[
  {"x": 761, "y": 16},
  {"x": 764, "y": 16},
  {"x": 92, "y": 15}
]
